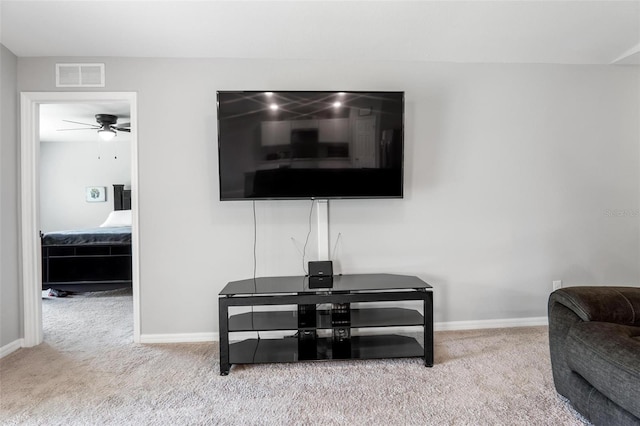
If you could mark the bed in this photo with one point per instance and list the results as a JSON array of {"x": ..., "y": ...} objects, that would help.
[{"x": 93, "y": 259}]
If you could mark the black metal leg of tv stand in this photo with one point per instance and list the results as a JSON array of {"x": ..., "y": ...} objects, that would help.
[
  {"x": 223, "y": 314},
  {"x": 428, "y": 329}
]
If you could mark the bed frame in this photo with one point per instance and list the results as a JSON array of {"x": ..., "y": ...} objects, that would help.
[{"x": 89, "y": 267}]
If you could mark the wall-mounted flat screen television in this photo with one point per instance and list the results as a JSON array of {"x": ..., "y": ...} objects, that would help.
[{"x": 310, "y": 145}]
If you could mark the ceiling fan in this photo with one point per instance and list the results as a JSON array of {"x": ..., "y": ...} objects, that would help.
[{"x": 107, "y": 126}]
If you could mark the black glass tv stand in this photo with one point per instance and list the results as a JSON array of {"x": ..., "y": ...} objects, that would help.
[{"x": 315, "y": 324}]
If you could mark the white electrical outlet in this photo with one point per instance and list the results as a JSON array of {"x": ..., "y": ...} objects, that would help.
[{"x": 557, "y": 284}]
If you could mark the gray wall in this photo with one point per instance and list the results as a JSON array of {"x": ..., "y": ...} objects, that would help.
[
  {"x": 10, "y": 290},
  {"x": 67, "y": 168},
  {"x": 510, "y": 173}
]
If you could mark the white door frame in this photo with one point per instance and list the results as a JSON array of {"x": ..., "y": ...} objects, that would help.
[{"x": 30, "y": 202}]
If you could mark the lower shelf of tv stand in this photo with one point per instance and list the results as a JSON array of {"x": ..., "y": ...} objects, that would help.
[{"x": 288, "y": 349}]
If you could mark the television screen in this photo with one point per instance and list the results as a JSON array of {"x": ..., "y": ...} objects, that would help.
[{"x": 310, "y": 145}]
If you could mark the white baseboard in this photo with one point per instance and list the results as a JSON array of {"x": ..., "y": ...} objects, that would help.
[
  {"x": 493, "y": 323},
  {"x": 439, "y": 326},
  {"x": 11, "y": 347},
  {"x": 179, "y": 338}
]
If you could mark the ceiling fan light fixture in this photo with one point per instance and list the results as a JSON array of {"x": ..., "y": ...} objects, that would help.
[{"x": 106, "y": 133}]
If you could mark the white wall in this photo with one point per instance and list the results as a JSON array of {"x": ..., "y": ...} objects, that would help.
[
  {"x": 510, "y": 170},
  {"x": 67, "y": 169},
  {"x": 10, "y": 303}
]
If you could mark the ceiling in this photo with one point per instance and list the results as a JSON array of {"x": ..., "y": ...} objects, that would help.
[
  {"x": 557, "y": 32},
  {"x": 52, "y": 116}
]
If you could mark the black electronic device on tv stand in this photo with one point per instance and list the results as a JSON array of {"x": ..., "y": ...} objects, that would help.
[
  {"x": 320, "y": 282},
  {"x": 321, "y": 274},
  {"x": 324, "y": 325}
]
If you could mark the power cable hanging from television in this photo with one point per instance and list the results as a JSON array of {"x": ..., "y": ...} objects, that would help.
[{"x": 306, "y": 241}]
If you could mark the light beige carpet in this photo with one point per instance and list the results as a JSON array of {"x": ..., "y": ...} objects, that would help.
[{"x": 89, "y": 372}]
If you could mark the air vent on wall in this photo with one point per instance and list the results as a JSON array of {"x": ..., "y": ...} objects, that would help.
[{"x": 79, "y": 75}]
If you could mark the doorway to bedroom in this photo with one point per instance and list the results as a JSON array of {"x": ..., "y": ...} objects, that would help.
[
  {"x": 85, "y": 218},
  {"x": 72, "y": 179}
]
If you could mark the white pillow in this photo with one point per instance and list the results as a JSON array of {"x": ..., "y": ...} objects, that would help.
[{"x": 117, "y": 218}]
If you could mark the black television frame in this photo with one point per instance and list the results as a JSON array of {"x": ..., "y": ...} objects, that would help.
[{"x": 399, "y": 195}]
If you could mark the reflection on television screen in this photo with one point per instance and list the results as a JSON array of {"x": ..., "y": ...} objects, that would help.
[{"x": 288, "y": 145}]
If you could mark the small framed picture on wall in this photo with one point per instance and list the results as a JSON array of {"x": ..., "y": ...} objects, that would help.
[{"x": 96, "y": 194}]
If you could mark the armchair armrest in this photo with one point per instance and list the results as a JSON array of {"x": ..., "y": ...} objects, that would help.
[{"x": 620, "y": 305}]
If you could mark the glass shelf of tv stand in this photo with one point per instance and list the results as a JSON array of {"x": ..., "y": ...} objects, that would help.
[
  {"x": 292, "y": 349},
  {"x": 360, "y": 318},
  {"x": 298, "y": 347},
  {"x": 321, "y": 338}
]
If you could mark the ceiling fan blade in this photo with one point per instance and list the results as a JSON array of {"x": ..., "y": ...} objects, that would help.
[
  {"x": 124, "y": 125},
  {"x": 80, "y": 128},
  {"x": 92, "y": 126},
  {"x": 120, "y": 129}
]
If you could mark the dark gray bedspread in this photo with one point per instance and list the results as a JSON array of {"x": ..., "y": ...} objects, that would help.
[{"x": 114, "y": 235}]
